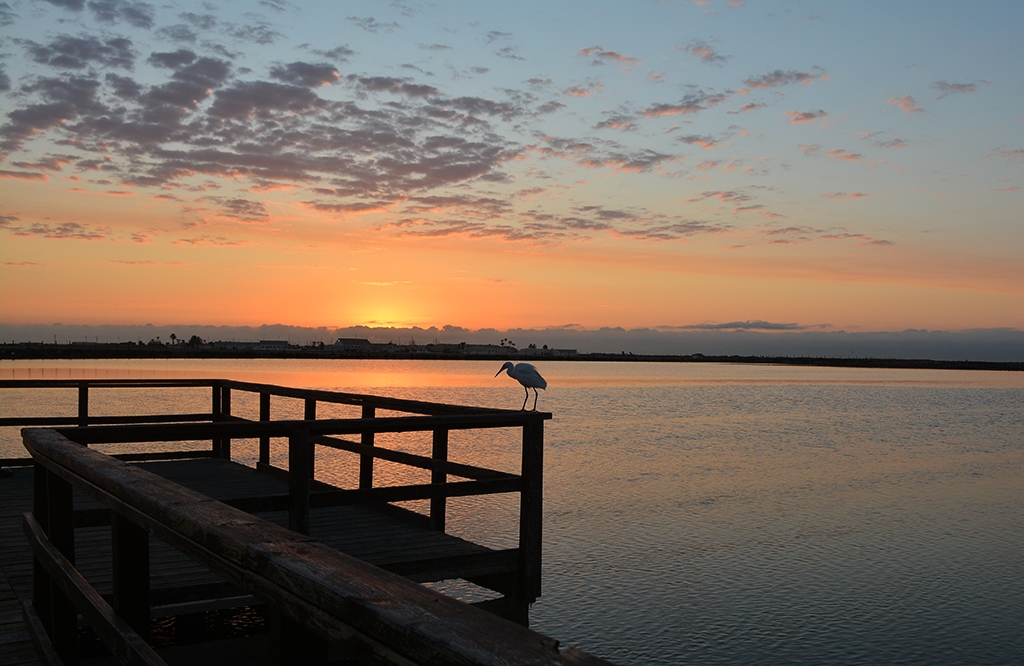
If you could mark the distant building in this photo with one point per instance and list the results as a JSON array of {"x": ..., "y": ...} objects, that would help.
[
  {"x": 352, "y": 344},
  {"x": 272, "y": 345},
  {"x": 488, "y": 350}
]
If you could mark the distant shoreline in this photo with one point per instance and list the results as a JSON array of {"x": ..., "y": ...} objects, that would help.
[{"x": 58, "y": 352}]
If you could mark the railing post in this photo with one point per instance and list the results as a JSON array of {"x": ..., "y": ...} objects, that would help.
[
  {"x": 439, "y": 477},
  {"x": 298, "y": 482},
  {"x": 309, "y": 414},
  {"x": 366, "y": 459},
  {"x": 54, "y": 511},
  {"x": 265, "y": 439},
  {"x": 83, "y": 404},
  {"x": 225, "y": 407},
  {"x": 531, "y": 509},
  {"x": 215, "y": 415},
  {"x": 130, "y": 550}
]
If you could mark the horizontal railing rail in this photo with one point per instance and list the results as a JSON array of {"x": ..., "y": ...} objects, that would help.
[{"x": 321, "y": 595}]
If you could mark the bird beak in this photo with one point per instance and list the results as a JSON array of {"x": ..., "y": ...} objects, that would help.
[{"x": 498, "y": 372}]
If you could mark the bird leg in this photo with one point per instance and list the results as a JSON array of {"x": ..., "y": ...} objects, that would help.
[
  {"x": 523, "y": 408},
  {"x": 535, "y": 394}
]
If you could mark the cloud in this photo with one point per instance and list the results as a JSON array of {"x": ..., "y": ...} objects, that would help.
[
  {"x": 23, "y": 175},
  {"x": 259, "y": 33},
  {"x": 866, "y": 241},
  {"x": 891, "y": 143},
  {"x": 509, "y": 53},
  {"x": 751, "y": 106},
  {"x": 112, "y": 12},
  {"x": 601, "y": 56},
  {"x": 494, "y": 36},
  {"x": 782, "y": 78},
  {"x": 705, "y": 142},
  {"x": 947, "y": 89},
  {"x": 372, "y": 25},
  {"x": 306, "y": 74},
  {"x": 588, "y": 91},
  {"x": 704, "y": 51},
  {"x": 797, "y": 117},
  {"x": 67, "y": 52},
  {"x": 63, "y": 231},
  {"x": 1014, "y": 155},
  {"x": 690, "y": 104},
  {"x": 390, "y": 84},
  {"x": 845, "y": 156},
  {"x": 846, "y": 195},
  {"x": 621, "y": 123},
  {"x": 339, "y": 53},
  {"x": 906, "y": 103},
  {"x": 755, "y": 325},
  {"x": 728, "y": 196}
]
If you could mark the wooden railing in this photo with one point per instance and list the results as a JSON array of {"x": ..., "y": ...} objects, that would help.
[
  {"x": 220, "y": 426},
  {"x": 318, "y": 595}
]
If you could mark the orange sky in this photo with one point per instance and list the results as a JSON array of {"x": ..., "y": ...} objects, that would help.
[{"x": 484, "y": 171}]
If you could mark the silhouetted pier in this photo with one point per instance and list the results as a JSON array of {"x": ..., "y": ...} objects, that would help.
[{"x": 121, "y": 543}]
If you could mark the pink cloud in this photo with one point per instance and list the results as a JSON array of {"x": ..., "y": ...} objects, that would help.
[
  {"x": 24, "y": 175},
  {"x": 577, "y": 91},
  {"x": 797, "y": 117},
  {"x": 841, "y": 154},
  {"x": 598, "y": 52},
  {"x": 906, "y": 103},
  {"x": 846, "y": 195}
]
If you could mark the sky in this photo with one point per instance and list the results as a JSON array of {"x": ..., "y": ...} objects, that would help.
[{"x": 708, "y": 165}]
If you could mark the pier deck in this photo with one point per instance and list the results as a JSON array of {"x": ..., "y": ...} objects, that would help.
[
  {"x": 416, "y": 552},
  {"x": 117, "y": 542}
]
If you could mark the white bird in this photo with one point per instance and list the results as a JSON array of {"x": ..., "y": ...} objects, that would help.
[{"x": 527, "y": 375}]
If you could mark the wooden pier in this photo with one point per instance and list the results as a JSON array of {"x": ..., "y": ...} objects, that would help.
[{"x": 118, "y": 542}]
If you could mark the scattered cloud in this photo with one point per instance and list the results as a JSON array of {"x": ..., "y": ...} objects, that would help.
[
  {"x": 584, "y": 91},
  {"x": 844, "y": 156},
  {"x": 704, "y": 51},
  {"x": 945, "y": 89},
  {"x": 690, "y": 104},
  {"x": 750, "y": 106},
  {"x": 906, "y": 103},
  {"x": 1015, "y": 155},
  {"x": 846, "y": 195},
  {"x": 621, "y": 123},
  {"x": 372, "y": 25},
  {"x": 782, "y": 78},
  {"x": 23, "y": 175},
  {"x": 601, "y": 56},
  {"x": 62, "y": 231},
  {"x": 891, "y": 143},
  {"x": 67, "y": 52},
  {"x": 797, "y": 117},
  {"x": 705, "y": 142},
  {"x": 755, "y": 325}
]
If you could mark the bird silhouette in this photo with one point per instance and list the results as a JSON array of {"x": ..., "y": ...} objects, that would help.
[{"x": 527, "y": 375}]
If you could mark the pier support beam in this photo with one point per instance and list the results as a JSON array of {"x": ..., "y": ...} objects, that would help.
[
  {"x": 130, "y": 549},
  {"x": 531, "y": 510},
  {"x": 53, "y": 509}
]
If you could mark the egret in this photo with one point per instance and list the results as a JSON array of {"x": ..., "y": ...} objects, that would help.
[{"x": 527, "y": 375}]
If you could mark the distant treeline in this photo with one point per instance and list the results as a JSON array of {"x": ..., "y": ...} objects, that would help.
[{"x": 132, "y": 350}]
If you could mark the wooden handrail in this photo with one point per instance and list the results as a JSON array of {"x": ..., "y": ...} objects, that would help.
[
  {"x": 380, "y": 616},
  {"x": 240, "y": 429}
]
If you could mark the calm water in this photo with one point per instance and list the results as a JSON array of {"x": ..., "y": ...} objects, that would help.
[{"x": 716, "y": 514}]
